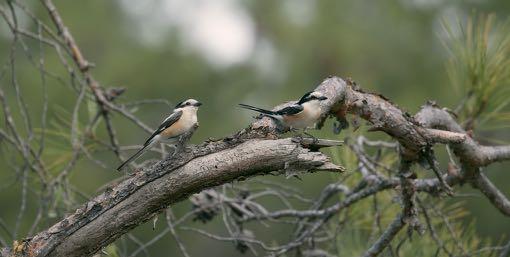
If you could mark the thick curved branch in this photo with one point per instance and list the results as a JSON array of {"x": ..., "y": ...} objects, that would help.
[
  {"x": 135, "y": 200},
  {"x": 244, "y": 154},
  {"x": 258, "y": 151}
]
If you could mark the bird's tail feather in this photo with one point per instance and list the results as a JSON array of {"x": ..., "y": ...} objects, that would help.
[
  {"x": 253, "y": 108},
  {"x": 134, "y": 156}
]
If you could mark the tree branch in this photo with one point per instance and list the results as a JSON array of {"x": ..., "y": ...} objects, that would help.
[
  {"x": 472, "y": 155},
  {"x": 135, "y": 200},
  {"x": 220, "y": 162},
  {"x": 386, "y": 237},
  {"x": 257, "y": 150}
]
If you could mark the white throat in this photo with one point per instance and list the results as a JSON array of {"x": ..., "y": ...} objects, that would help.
[
  {"x": 312, "y": 105},
  {"x": 189, "y": 114}
]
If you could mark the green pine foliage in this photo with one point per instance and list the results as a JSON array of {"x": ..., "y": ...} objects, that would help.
[{"x": 479, "y": 66}]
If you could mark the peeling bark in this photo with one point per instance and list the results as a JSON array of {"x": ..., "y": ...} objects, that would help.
[
  {"x": 149, "y": 191},
  {"x": 257, "y": 150}
]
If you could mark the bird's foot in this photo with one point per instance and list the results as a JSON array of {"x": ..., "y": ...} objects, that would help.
[{"x": 315, "y": 139}]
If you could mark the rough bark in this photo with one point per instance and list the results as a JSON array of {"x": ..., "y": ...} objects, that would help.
[
  {"x": 244, "y": 160},
  {"x": 472, "y": 156},
  {"x": 256, "y": 150},
  {"x": 136, "y": 199}
]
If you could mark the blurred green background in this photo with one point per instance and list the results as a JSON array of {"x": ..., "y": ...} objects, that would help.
[{"x": 257, "y": 52}]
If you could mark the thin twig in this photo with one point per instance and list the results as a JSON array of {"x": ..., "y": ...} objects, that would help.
[{"x": 391, "y": 231}]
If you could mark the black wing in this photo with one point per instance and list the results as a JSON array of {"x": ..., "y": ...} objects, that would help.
[
  {"x": 290, "y": 110},
  {"x": 165, "y": 124}
]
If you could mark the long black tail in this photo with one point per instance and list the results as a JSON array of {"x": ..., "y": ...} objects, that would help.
[
  {"x": 253, "y": 108},
  {"x": 133, "y": 157}
]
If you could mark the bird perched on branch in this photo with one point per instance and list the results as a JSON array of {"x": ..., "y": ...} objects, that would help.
[
  {"x": 300, "y": 115},
  {"x": 182, "y": 120}
]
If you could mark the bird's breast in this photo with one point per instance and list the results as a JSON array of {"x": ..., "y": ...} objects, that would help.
[
  {"x": 183, "y": 125},
  {"x": 303, "y": 119}
]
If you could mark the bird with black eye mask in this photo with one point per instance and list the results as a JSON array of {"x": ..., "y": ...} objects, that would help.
[
  {"x": 303, "y": 114},
  {"x": 182, "y": 120}
]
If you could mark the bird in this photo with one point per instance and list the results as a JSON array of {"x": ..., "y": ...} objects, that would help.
[
  {"x": 182, "y": 120},
  {"x": 300, "y": 115}
]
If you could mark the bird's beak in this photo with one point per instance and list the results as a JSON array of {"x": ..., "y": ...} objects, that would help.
[
  {"x": 322, "y": 98},
  {"x": 198, "y": 104}
]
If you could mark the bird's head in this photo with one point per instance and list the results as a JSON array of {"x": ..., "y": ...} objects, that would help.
[
  {"x": 188, "y": 104},
  {"x": 312, "y": 96}
]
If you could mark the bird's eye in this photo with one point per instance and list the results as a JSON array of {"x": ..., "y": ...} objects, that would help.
[{"x": 187, "y": 103}]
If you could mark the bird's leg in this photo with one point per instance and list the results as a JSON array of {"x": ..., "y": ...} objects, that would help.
[
  {"x": 315, "y": 139},
  {"x": 176, "y": 149},
  {"x": 308, "y": 134},
  {"x": 173, "y": 148},
  {"x": 299, "y": 136},
  {"x": 179, "y": 145},
  {"x": 291, "y": 129},
  {"x": 164, "y": 154}
]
